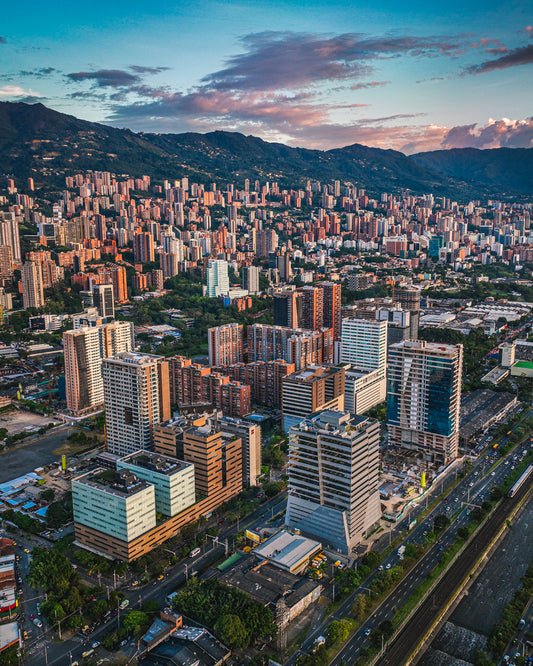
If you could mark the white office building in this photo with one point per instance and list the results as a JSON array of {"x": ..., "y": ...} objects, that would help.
[
  {"x": 117, "y": 504},
  {"x": 217, "y": 278}
]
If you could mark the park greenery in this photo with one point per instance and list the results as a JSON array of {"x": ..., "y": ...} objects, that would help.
[
  {"x": 68, "y": 600},
  {"x": 224, "y": 609}
]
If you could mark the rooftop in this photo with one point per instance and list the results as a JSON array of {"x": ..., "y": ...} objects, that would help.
[
  {"x": 156, "y": 462},
  {"x": 287, "y": 550},
  {"x": 122, "y": 484},
  {"x": 313, "y": 373}
]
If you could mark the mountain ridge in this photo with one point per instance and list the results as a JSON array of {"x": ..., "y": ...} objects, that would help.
[{"x": 43, "y": 143}]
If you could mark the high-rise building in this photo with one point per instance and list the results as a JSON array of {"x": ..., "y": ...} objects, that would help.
[
  {"x": 312, "y": 307},
  {"x": 364, "y": 344},
  {"x": 333, "y": 478},
  {"x": 225, "y": 344},
  {"x": 309, "y": 391},
  {"x": 103, "y": 299},
  {"x": 116, "y": 512},
  {"x": 287, "y": 306},
  {"x": 250, "y": 436},
  {"x": 424, "y": 398},
  {"x": 136, "y": 395},
  {"x": 111, "y": 508},
  {"x": 294, "y": 345},
  {"x": 217, "y": 278},
  {"x": 6, "y": 262},
  {"x": 250, "y": 279},
  {"x": 331, "y": 304},
  {"x": 143, "y": 247},
  {"x": 85, "y": 348},
  {"x": 9, "y": 233},
  {"x": 32, "y": 285},
  {"x": 235, "y": 399},
  {"x": 120, "y": 286}
]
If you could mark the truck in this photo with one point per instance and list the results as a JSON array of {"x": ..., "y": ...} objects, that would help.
[{"x": 401, "y": 551}]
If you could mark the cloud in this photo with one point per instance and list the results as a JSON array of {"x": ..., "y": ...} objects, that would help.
[
  {"x": 369, "y": 84},
  {"x": 18, "y": 92},
  {"x": 504, "y": 133},
  {"x": 282, "y": 60},
  {"x": 103, "y": 78},
  {"x": 140, "y": 69},
  {"x": 519, "y": 56},
  {"x": 39, "y": 73}
]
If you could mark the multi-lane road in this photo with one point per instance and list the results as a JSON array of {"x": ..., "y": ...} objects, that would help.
[{"x": 469, "y": 492}]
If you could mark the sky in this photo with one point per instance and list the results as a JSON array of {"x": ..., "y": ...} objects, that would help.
[{"x": 412, "y": 76}]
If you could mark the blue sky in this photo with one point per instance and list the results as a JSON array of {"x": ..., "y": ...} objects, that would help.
[{"x": 316, "y": 74}]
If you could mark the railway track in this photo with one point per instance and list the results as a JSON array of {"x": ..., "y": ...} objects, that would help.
[{"x": 409, "y": 638}]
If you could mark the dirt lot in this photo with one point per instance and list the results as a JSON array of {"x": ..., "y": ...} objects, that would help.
[{"x": 18, "y": 421}]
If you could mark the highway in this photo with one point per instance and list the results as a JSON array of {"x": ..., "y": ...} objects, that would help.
[
  {"x": 470, "y": 491},
  {"x": 428, "y": 610}
]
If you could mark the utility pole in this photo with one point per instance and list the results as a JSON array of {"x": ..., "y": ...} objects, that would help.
[
  {"x": 46, "y": 655},
  {"x": 186, "y": 572}
]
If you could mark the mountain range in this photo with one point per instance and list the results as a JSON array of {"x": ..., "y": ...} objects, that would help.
[{"x": 42, "y": 143}]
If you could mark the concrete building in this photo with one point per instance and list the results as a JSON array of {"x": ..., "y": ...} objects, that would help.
[
  {"x": 309, "y": 391},
  {"x": 32, "y": 285},
  {"x": 364, "y": 344},
  {"x": 217, "y": 278},
  {"x": 250, "y": 436},
  {"x": 424, "y": 398},
  {"x": 136, "y": 395},
  {"x": 85, "y": 348},
  {"x": 111, "y": 505},
  {"x": 172, "y": 479},
  {"x": 104, "y": 300},
  {"x": 216, "y": 460},
  {"x": 250, "y": 279},
  {"x": 287, "y": 306},
  {"x": 333, "y": 478},
  {"x": 225, "y": 344},
  {"x": 363, "y": 389}
]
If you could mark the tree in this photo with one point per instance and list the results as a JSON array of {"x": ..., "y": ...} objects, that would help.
[
  {"x": 371, "y": 559},
  {"x": 48, "y": 494},
  {"x": 338, "y": 631},
  {"x": 134, "y": 620},
  {"x": 440, "y": 523},
  {"x": 360, "y": 607},
  {"x": 231, "y": 631}
]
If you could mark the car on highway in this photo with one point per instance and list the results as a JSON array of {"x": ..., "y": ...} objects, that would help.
[
  {"x": 380, "y": 568},
  {"x": 367, "y": 632},
  {"x": 388, "y": 565},
  {"x": 95, "y": 645}
]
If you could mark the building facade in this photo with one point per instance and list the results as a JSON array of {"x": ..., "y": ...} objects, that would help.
[
  {"x": 136, "y": 397},
  {"x": 309, "y": 391},
  {"x": 85, "y": 348},
  {"x": 424, "y": 398},
  {"x": 225, "y": 344},
  {"x": 333, "y": 478}
]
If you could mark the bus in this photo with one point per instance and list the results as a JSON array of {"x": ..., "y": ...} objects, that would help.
[{"x": 194, "y": 552}]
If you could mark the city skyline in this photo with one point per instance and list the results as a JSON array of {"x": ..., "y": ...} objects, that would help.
[{"x": 318, "y": 75}]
